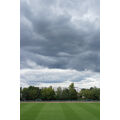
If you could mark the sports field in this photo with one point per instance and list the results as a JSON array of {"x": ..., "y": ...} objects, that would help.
[{"x": 60, "y": 111}]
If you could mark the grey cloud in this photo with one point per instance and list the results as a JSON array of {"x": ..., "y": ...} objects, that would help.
[{"x": 60, "y": 34}]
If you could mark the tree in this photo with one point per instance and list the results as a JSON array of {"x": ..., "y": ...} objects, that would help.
[
  {"x": 95, "y": 93},
  {"x": 59, "y": 93},
  {"x": 90, "y": 94},
  {"x": 25, "y": 94},
  {"x": 21, "y": 93},
  {"x": 48, "y": 93},
  {"x": 65, "y": 94},
  {"x": 31, "y": 93},
  {"x": 72, "y": 92}
]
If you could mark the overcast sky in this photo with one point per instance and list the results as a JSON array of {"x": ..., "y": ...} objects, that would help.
[{"x": 60, "y": 43}]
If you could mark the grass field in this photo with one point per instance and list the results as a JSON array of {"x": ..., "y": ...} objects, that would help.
[{"x": 60, "y": 111}]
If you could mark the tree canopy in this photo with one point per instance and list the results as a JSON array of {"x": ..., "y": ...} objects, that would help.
[{"x": 48, "y": 93}]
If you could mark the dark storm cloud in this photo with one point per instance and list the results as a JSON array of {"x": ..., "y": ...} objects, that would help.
[{"x": 60, "y": 34}]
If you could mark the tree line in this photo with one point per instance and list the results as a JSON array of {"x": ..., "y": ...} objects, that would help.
[{"x": 48, "y": 93}]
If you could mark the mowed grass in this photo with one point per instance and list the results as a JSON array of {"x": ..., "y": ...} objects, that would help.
[{"x": 60, "y": 111}]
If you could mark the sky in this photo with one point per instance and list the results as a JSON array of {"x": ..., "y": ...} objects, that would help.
[{"x": 60, "y": 43}]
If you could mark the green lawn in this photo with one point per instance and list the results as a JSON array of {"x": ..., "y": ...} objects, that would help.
[{"x": 60, "y": 111}]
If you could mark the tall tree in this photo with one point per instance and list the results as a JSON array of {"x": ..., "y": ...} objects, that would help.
[
  {"x": 72, "y": 92},
  {"x": 59, "y": 93},
  {"x": 48, "y": 93},
  {"x": 65, "y": 94}
]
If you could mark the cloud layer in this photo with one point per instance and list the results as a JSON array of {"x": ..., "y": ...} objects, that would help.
[
  {"x": 59, "y": 35},
  {"x": 58, "y": 77}
]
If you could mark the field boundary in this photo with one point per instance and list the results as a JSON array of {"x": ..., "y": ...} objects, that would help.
[{"x": 59, "y": 101}]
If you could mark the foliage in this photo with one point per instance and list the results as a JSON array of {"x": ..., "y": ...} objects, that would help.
[
  {"x": 59, "y": 93},
  {"x": 93, "y": 94},
  {"x": 48, "y": 93},
  {"x": 72, "y": 92},
  {"x": 31, "y": 93}
]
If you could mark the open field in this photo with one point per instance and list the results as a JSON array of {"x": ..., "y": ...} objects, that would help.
[{"x": 60, "y": 111}]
